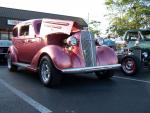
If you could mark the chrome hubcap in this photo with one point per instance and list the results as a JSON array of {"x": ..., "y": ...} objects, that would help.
[
  {"x": 128, "y": 66},
  {"x": 45, "y": 71}
]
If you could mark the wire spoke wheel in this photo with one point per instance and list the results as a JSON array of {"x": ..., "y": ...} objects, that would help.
[
  {"x": 130, "y": 65},
  {"x": 45, "y": 71}
]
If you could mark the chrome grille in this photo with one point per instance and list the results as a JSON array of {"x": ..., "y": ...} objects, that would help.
[{"x": 88, "y": 48}]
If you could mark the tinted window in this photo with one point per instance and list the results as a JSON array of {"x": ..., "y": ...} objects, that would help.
[
  {"x": 24, "y": 31},
  {"x": 38, "y": 26},
  {"x": 15, "y": 32}
]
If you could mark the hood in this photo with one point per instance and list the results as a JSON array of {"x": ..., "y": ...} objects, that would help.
[
  {"x": 50, "y": 26},
  {"x": 142, "y": 44}
]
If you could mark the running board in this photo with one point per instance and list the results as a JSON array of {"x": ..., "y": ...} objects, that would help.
[
  {"x": 91, "y": 69},
  {"x": 22, "y": 65}
]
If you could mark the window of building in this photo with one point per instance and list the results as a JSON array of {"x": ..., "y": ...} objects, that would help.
[{"x": 4, "y": 35}]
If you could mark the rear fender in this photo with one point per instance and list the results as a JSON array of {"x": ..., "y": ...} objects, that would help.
[
  {"x": 13, "y": 52},
  {"x": 58, "y": 56}
]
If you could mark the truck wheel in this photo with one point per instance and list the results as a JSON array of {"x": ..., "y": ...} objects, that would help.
[
  {"x": 130, "y": 65},
  {"x": 10, "y": 66},
  {"x": 49, "y": 75},
  {"x": 104, "y": 74}
]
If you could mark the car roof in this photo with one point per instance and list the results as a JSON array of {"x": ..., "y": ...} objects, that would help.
[
  {"x": 26, "y": 22},
  {"x": 31, "y": 21}
]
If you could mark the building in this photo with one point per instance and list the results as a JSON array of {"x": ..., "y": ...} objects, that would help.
[{"x": 10, "y": 17}]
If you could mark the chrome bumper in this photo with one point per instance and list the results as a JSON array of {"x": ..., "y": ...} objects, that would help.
[{"x": 91, "y": 69}]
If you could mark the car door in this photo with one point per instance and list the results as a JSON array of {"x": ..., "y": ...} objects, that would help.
[
  {"x": 18, "y": 42},
  {"x": 22, "y": 43},
  {"x": 32, "y": 44}
]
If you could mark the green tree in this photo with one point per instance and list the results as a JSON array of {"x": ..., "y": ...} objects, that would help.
[
  {"x": 128, "y": 14},
  {"x": 94, "y": 27}
]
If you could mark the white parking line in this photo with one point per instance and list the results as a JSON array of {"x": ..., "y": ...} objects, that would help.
[
  {"x": 132, "y": 79},
  {"x": 26, "y": 98}
]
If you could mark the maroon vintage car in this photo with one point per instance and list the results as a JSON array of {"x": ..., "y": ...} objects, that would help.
[{"x": 51, "y": 47}]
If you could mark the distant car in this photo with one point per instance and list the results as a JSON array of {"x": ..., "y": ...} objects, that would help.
[
  {"x": 137, "y": 53},
  {"x": 51, "y": 47},
  {"x": 4, "y": 45}
]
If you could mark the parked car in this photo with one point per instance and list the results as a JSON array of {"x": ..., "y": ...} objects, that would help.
[
  {"x": 4, "y": 45},
  {"x": 137, "y": 53},
  {"x": 51, "y": 47}
]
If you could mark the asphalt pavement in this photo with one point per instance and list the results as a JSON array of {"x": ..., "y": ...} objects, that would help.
[{"x": 22, "y": 92}]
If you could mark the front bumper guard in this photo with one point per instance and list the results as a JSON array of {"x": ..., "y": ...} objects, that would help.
[{"x": 91, "y": 69}]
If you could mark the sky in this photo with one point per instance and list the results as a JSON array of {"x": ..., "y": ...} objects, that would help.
[{"x": 86, "y": 9}]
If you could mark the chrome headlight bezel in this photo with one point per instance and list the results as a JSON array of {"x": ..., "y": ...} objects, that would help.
[
  {"x": 145, "y": 54},
  {"x": 72, "y": 41}
]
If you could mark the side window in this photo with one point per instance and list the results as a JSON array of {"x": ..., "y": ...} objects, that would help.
[
  {"x": 15, "y": 32},
  {"x": 24, "y": 31},
  {"x": 38, "y": 27}
]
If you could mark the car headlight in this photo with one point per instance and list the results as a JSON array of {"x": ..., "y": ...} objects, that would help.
[
  {"x": 72, "y": 41},
  {"x": 100, "y": 41},
  {"x": 145, "y": 54},
  {"x": 136, "y": 43}
]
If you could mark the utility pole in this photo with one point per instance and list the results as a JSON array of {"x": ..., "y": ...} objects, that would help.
[{"x": 88, "y": 19}]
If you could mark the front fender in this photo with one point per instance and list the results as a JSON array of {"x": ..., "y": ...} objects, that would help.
[
  {"x": 106, "y": 55},
  {"x": 58, "y": 56}
]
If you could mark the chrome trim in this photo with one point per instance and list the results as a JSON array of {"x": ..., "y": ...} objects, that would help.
[
  {"x": 91, "y": 69},
  {"x": 21, "y": 65},
  {"x": 3, "y": 53},
  {"x": 81, "y": 49},
  {"x": 91, "y": 47},
  {"x": 89, "y": 52},
  {"x": 24, "y": 65}
]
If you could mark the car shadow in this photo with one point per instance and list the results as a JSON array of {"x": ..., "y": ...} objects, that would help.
[
  {"x": 84, "y": 80},
  {"x": 68, "y": 80}
]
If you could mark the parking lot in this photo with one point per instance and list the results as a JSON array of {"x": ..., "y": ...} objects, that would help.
[{"x": 22, "y": 92}]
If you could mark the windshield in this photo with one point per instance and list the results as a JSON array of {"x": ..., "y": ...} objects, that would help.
[{"x": 132, "y": 36}]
